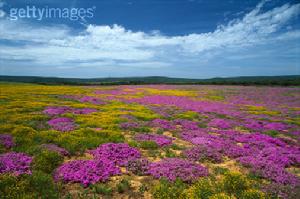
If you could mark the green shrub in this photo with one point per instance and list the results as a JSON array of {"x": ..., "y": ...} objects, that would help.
[
  {"x": 177, "y": 147},
  {"x": 102, "y": 189},
  {"x": 143, "y": 129},
  {"x": 203, "y": 188},
  {"x": 190, "y": 115},
  {"x": 220, "y": 196},
  {"x": 123, "y": 185},
  {"x": 148, "y": 145},
  {"x": 142, "y": 189},
  {"x": 202, "y": 125},
  {"x": 36, "y": 185},
  {"x": 133, "y": 143},
  {"x": 42, "y": 185},
  {"x": 220, "y": 170},
  {"x": 2, "y": 149},
  {"x": 169, "y": 153},
  {"x": 232, "y": 185},
  {"x": 253, "y": 194},
  {"x": 168, "y": 190},
  {"x": 272, "y": 133},
  {"x": 83, "y": 139},
  {"x": 47, "y": 161},
  {"x": 23, "y": 137},
  {"x": 235, "y": 183},
  {"x": 160, "y": 131},
  {"x": 13, "y": 187}
]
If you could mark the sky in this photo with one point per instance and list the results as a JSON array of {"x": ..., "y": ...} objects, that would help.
[{"x": 175, "y": 38}]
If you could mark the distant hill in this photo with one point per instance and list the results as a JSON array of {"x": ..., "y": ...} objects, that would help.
[{"x": 246, "y": 80}]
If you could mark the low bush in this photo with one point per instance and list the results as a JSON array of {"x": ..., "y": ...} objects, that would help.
[
  {"x": 47, "y": 161},
  {"x": 148, "y": 145},
  {"x": 123, "y": 186},
  {"x": 13, "y": 187},
  {"x": 42, "y": 185},
  {"x": 253, "y": 194},
  {"x": 231, "y": 185},
  {"x": 235, "y": 183},
  {"x": 220, "y": 196},
  {"x": 168, "y": 190},
  {"x": 36, "y": 185},
  {"x": 102, "y": 189},
  {"x": 203, "y": 188}
]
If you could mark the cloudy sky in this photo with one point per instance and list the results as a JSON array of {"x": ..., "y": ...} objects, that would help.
[{"x": 176, "y": 38}]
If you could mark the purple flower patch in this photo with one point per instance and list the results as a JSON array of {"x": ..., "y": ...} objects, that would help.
[
  {"x": 119, "y": 153},
  {"x": 58, "y": 110},
  {"x": 86, "y": 171},
  {"x": 6, "y": 140},
  {"x": 63, "y": 124},
  {"x": 164, "y": 124},
  {"x": 130, "y": 125},
  {"x": 15, "y": 163},
  {"x": 220, "y": 123},
  {"x": 186, "y": 124},
  {"x": 276, "y": 126},
  {"x": 92, "y": 100},
  {"x": 201, "y": 153},
  {"x": 84, "y": 111},
  {"x": 172, "y": 168}
]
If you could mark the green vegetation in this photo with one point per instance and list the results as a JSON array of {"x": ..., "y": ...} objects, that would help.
[
  {"x": 47, "y": 161},
  {"x": 123, "y": 186},
  {"x": 37, "y": 185}
]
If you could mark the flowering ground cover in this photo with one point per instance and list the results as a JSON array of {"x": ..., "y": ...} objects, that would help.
[{"x": 154, "y": 141}]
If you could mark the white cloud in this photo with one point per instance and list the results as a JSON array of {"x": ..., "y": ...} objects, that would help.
[
  {"x": 2, "y": 12},
  {"x": 58, "y": 45}
]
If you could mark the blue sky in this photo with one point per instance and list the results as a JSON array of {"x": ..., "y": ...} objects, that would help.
[{"x": 176, "y": 38}]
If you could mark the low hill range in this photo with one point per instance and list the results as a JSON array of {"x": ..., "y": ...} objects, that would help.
[{"x": 289, "y": 80}]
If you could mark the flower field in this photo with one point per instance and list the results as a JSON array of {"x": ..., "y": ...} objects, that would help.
[{"x": 150, "y": 141}]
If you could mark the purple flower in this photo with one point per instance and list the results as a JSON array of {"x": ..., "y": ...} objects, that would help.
[
  {"x": 220, "y": 123},
  {"x": 172, "y": 168},
  {"x": 92, "y": 100},
  {"x": 56, "y": 110},
  {"x": 6, "y": 140},
  {"x": 276, "y": 126},
  {"x": 160, "y": 140},
  {"x": 188, "y": 104},
  {"x": 129, "y": 125},
  {"x": 119, "y": 153},
  {"x": 86, "y": 171},
  {"x": 84, "y": 111},
  {"x": 164, "y": 124},
  {"x": 200, "y": 141},
  {"x": 187, "y": 124},
  {"x": 15, "y": 163},
  {"x": 270, "y": 170},
  {"x": 201, "y": 153},
  {"x": 63, "y": 124}
]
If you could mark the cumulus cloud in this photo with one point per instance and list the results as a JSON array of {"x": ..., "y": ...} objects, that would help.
[
  {"x": 2, "y": 12},
  {"x": 104, "y": 45}
]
